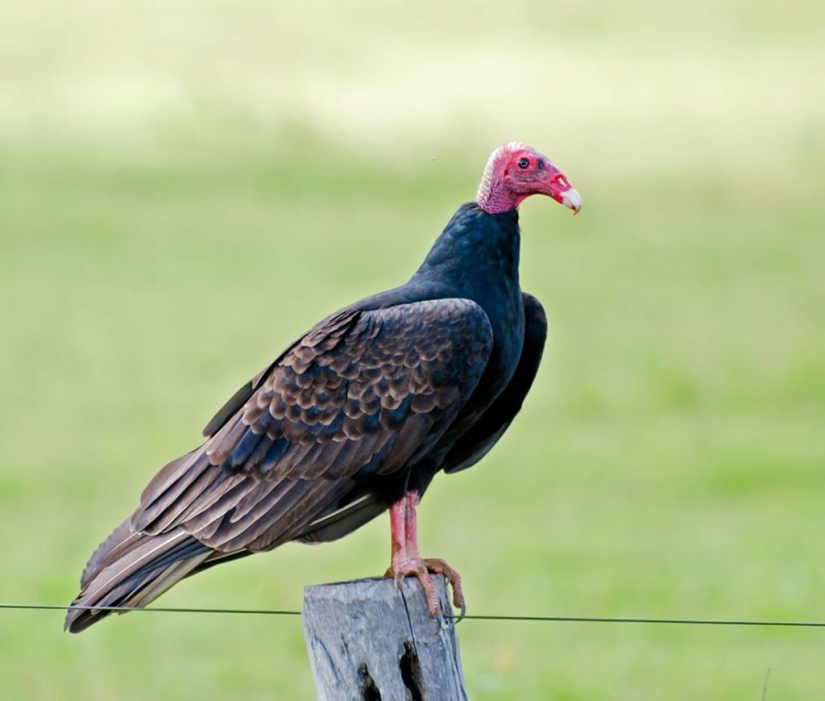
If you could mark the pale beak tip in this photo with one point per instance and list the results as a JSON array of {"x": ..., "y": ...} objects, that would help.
[{"x": 571, "y": 198}]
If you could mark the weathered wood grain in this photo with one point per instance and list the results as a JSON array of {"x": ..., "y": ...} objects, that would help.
[{"x": 369, "y": 640}]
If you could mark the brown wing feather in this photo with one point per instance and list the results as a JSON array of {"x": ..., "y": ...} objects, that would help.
[{"x": 360, "y": 395}]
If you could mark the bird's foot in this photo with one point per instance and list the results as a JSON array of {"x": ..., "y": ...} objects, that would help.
[{"x": 421, "y": 568}]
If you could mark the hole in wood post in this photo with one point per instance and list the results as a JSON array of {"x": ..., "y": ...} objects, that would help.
[
  {"x": 369, "y": 692},
  {"x": 411, "y": 673}
]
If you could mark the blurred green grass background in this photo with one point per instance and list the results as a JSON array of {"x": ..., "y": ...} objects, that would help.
[{"x": 185, "y": 187}]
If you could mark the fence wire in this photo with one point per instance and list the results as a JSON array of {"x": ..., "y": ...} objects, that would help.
[{"x": 468, "y": 617}]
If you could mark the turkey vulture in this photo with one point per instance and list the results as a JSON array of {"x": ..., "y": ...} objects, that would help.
[{"x": 355, "y": 417}]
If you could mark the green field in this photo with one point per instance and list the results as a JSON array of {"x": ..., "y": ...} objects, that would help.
[{"x": 185, "y": 187}]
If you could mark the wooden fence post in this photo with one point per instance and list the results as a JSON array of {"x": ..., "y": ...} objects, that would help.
[{"x": 370, "y": 640}]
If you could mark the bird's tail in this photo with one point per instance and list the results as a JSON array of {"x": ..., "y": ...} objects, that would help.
[{"x": 132, "y": 569}]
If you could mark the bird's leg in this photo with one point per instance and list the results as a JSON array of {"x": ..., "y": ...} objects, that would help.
[
  {"x": 398, "y": 520},
  {"x": 407, "y": 560},
  {"x": 432, "y": 564}
]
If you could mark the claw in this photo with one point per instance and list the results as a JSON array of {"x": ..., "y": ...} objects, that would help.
[
  {"x": 454, "y": 578},
  {"x": 420, "y": 569},
  {"x": 407, "y": 561},
  {"x": 462, "y": 612}
]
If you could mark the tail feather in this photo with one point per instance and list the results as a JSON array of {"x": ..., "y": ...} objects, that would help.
[
  {"x": 166, "y": 579},
  {"x": 342, "y": 520},
  {"x": 132, "y": 569},
  {"x": 118, "y": 536}
]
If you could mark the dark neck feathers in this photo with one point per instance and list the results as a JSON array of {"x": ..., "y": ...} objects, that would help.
[{"x": 475, "y": 251}]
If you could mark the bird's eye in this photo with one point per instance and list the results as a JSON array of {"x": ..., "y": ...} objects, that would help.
[{"x": 523, "y": 163}]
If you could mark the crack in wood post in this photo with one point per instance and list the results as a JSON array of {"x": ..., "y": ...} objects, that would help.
[
  {"x": 369, "y": 691},
  {"x": 411, "y": 672}
]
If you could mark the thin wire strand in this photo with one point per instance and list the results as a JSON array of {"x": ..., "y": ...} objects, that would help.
[{"x": 520, "y": 619}]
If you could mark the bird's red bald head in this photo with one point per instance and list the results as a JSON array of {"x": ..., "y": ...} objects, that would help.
[{"x": 514, "y": 172}]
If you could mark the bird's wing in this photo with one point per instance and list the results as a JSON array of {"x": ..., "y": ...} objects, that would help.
[
  {"x": 362, "y": 394},
  {"x": 480, "y": 438}
]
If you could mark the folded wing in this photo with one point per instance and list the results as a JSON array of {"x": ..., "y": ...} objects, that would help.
[{"x": 362, "y": 395}]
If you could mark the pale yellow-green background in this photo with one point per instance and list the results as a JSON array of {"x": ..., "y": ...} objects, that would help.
[{"x": 186, "y": 186}]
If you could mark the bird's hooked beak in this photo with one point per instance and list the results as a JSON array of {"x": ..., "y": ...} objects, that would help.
[{"x": 556, "y": 185}]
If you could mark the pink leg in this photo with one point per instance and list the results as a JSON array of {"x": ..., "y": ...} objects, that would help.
[
  {"x": 407, "y": 560},
  {"x": 398, "y": 518},
  {"x": 411, "y": 525}
]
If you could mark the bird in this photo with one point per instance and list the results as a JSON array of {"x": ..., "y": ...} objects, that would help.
[{"x": 354, "y": 418}]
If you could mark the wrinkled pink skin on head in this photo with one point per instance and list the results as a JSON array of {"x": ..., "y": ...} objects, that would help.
[{"x": 516, "y": 171}]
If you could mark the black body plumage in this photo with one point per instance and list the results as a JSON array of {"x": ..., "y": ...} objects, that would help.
[{"x": 373, "y": 401}]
